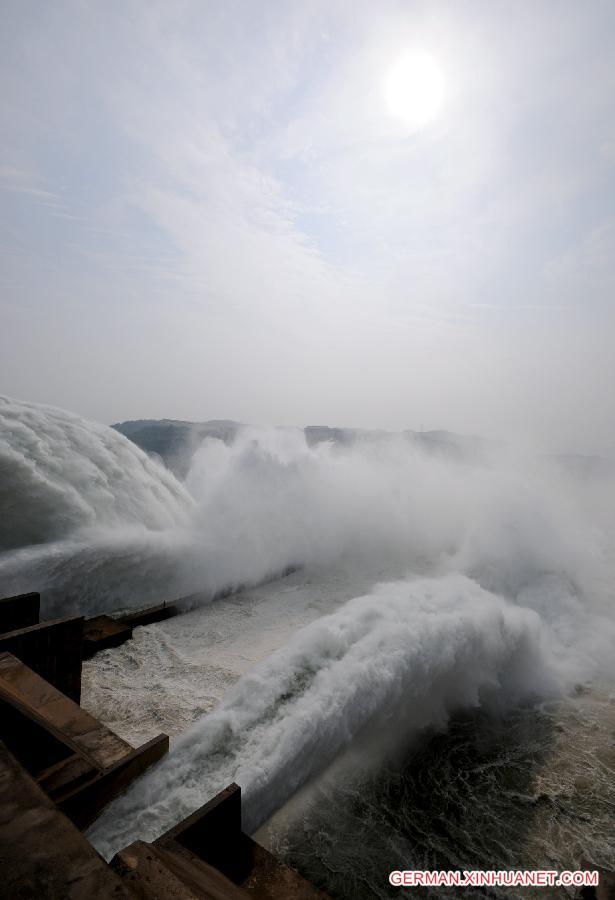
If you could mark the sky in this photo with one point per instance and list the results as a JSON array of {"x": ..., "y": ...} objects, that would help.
[{"x": 208, "y": 210}]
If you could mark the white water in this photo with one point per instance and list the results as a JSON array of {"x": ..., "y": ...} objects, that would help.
[
  {"x": 507, "y": 591},
  {"x": 95, "y": 524},
  {"x": 173, "y": 672},
  {"x": 405, "y": 656},
  {"x": 62, "y": 476}
]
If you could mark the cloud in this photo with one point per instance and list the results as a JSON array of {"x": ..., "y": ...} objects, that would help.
[
  {"x": 236, "y": 227},
  {"x": 586, "y": 271},
  {"x": 25, "y": 183}
]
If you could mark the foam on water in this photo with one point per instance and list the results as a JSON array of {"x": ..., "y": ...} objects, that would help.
[
  {"x": 96, "y": 525},
  {"x": 174, "y": 671},
  {"x": 61, "y": 475},
  {"x": 507, "y": 591},
  {"x": 532, "y": 789},
  {"x": 398, "y": 660}
]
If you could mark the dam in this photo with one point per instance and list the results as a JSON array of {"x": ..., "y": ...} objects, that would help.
[{"x": 59, "y": 767}]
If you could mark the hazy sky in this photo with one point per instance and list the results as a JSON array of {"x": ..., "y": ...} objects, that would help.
[{"x": 208, "y": 211}]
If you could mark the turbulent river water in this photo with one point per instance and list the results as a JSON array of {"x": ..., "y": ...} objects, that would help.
[
  {"x": 529, "y": 787},
  {"x": 534, "y": 789},
  {"x": 433, "y": 684}
]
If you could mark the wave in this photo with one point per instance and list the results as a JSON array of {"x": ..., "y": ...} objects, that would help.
[
  {"x": 94, "y": 524},
  {"x": 515, "y": 597},
  {"x": 61, "y": 474},
  {"x": 403, "y": 658}
]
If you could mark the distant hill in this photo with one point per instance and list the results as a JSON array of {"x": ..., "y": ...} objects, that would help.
[{"x": 175, "y": 441}]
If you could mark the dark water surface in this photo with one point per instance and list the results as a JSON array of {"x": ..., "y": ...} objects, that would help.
[{"x": 534, "y": 790}]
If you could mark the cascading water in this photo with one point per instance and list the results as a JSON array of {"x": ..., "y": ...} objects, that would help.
[{"x": 496, "y": 586}]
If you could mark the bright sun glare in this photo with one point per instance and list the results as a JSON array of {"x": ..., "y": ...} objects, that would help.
[{"x": 414, "y": 89}]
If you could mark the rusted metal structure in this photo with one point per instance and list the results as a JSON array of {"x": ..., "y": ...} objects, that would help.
[
  {"x": 102, "y": 632},
  {"x": 209, "y": 853},
  {"x": 19, "y": 612},
  {"x": 78, "y": 762},
  {"x": 59, "y": 767},
  {"x": 43, "y": 856},
  {"x": 52, "y": 650}
]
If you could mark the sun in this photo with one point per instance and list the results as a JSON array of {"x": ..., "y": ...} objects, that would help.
[{"x": 414, "y": 89}]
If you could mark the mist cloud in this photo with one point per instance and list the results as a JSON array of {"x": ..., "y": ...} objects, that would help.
[{"x": 208, "y": 213}]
